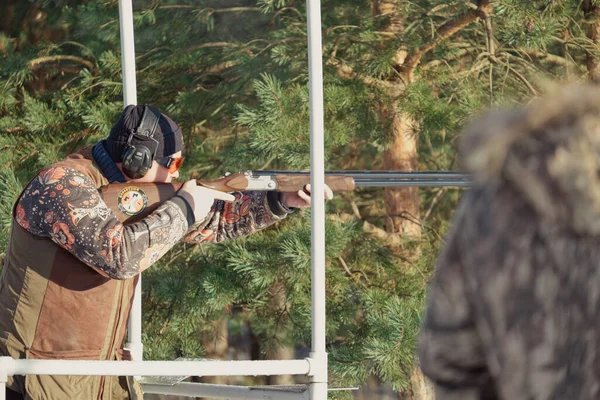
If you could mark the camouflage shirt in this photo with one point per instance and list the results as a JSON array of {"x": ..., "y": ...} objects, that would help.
[{"x": 64, "y": 205}]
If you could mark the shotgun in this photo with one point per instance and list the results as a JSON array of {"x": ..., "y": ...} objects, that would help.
[{"x": 133, "y": 201}]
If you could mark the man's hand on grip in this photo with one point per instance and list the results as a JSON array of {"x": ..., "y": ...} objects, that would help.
[
  {"x": 201, "y": 199},
  {"x": 302, "y": 198}
]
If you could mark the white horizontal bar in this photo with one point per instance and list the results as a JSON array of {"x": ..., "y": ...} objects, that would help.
[
  {"x": 223, "y": 391},
  {"x": 157, "y": 368}
]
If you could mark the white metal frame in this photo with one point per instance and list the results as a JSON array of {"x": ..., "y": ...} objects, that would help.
[
  {"x": 134, "y": 335},
  {"x": 318, "y": 381},
  {"x": 315, "y": 367}
]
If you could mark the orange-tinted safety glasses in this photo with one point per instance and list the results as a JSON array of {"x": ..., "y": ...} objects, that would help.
[{"x": 171, "y": 163}]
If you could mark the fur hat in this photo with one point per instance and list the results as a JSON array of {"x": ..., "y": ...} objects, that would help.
[{"x": 547, "y": 151}]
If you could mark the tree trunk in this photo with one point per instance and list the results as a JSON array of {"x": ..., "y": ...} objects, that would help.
[
  {"x": 279, "y": 303},
  {"x": 420, "y": 388},
  {"x": 216, "y": 344},
  {"x": 7, "y": 17},
  {"x": 389, "y": 9},
  {"x": 592, "y": 13},
  {"x": 282, "y": 353},
  {"x": 402, "y": 204},
  {"x": 402, "y": 210}
]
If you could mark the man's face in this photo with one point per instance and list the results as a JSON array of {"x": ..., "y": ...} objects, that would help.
[{"x": 160, "y": 174}]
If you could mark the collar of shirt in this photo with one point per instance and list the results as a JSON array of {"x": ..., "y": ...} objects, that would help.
[{"x": 107, "y": 165}]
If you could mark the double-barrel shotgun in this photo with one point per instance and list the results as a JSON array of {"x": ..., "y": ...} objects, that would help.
[{"x": 132, "y": 201}]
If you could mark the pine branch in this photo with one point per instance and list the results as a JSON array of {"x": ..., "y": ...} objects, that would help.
[
  {"x": 349, "y": 273},
  {"x": 37, "y": 63},
  {"x": 544, "y": 56},
  {"x": 517, "y": 74},
  {"x": 203, "y": 46},
  {"x": 353, "y": 205},
  {"x": 390, "y": 239},
  {"x": 407, "y": 63},
  {"x": 461, "y": 53},
  {"x": 444, "y": 32},
  {"x": 434, "y": 202},
  {"x": 244, "y": 48},
  {"x": 491, "y": 47},
  {"x": 216, "y": 69},
  {"x": 154, "y": 51},
  {"x": 210, "y": 10},
  {"x": 489, "y": 31},
  {"x": 392, "y": 88}
]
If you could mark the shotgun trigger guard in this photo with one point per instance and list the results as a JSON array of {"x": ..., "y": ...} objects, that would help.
[{"x": 261, "y": 182}]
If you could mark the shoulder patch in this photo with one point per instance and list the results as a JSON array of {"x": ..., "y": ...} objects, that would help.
[{"x": 132, "y": 201}]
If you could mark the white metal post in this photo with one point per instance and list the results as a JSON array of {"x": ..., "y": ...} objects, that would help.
[
  {"x": 127, "y": 53},
  {"x": 318, "y": 385},
  {"x": 134, "y": 343},
  {"x": 3, "y": 380},
  {"x": 7, "y": 368}
]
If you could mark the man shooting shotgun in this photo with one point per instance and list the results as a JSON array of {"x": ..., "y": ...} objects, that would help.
[
  {"x": 130, "y": 202},
  {"x": 72, "y": 261}
]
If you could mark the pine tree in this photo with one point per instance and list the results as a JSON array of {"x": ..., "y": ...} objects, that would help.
[{"x": 401, "y": 79}]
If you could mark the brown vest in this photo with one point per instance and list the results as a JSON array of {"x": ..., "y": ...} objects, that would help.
[{"x": 53, "y": 306}]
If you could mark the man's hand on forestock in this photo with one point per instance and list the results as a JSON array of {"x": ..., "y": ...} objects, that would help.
[
  {"x": 301, "y": 198},
  {"x": 201, "y": 199}
]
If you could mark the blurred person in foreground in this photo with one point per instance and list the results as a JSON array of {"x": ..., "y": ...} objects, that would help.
[{"x": 514, "y": 307}]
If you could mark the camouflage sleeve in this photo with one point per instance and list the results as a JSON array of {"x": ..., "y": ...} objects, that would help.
[
  {"x": 64, "y": 205},
  {"x": 450, "y": 349},
  {"x": 249, "y": 213}
]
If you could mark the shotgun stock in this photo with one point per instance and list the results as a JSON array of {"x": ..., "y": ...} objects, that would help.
[{"x": 133, "y": 201}]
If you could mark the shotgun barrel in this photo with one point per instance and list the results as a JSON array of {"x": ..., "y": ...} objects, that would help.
[
  {"x": 131, "y": 201},
  {"x": 388, "y": 178}
]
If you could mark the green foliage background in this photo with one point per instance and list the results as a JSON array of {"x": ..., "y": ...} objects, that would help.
[{"x": 233, "y": 74}]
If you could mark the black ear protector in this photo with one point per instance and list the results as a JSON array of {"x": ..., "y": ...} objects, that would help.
[{"x": 137, "y": 159}]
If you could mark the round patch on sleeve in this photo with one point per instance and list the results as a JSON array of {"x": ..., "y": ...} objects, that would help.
[{"x": 132, "y": 201}]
